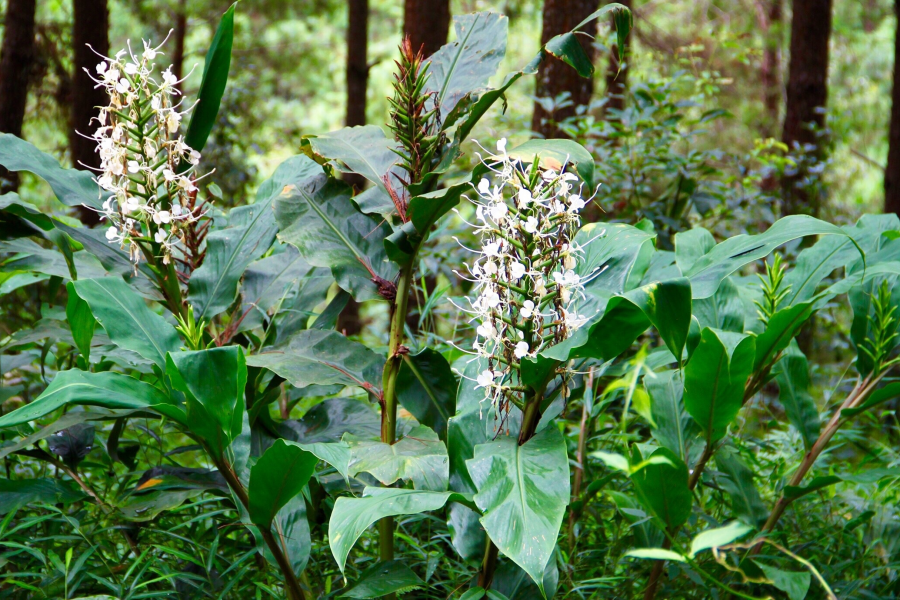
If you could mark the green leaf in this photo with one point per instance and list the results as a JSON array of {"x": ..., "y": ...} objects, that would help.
[
  {"x": 72, "y": 417},
  {"x": 622, "y": 19},
  {"x": 719, "y": 536},
  {"x": 794, "y": 584},
  {"x": 738, "y": 484},
  {"x": 146, "y": 507},
  {"x": 16, "y": 493},
  {"x": 213, "y": 381},
  {"x": 714, "y": 380},
  {"x": 793, "y": 492},
  {"x": 250, "y": 232},
  {"x": 554, "y": 154},
  {"x": 426, "y": 388},
  {"x": 727, "y": 257},
  {"x": 815, "y": 264},
  {"x": 861, "y": 300},
  {"x": 655, "y": 554},
  {"x": 674, "y": 429},
  {"x": 691, "y": 245},
  {"x": 352, "y": 516},
  {"x": 419, "y": 457},
  {"x": 29, "y": 256},
  {"x": 523, "y": 492},
  {"x": 615, "y": 256},
  {"x": 212, "y": 86},
  {"x": 72, "y": 187},
  {"x": 280, "y": 474},
  {"x": 467, "y": 64},
  {"x": 792, "y": 376},
  {"x": 127, "y": 319},
  {"x": 322, "y": 357},
  {"x": 779, "y": 332},
  {"x": 381, "y": 579},
  {"x": 663, "y": 488},
  {"x": 322, "y": 222},
  {"x": 723, "y": 310},
  {"x": 81, "y": 322},
  {"x": 107, "y": 389},
  {"x": 888, "y": 392},
  {"x": 330, "y": 420}
]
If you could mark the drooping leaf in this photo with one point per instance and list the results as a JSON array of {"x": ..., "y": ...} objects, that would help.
[
  {"x": 16, "y": 493},
  {"x": 615, "y": 256},
  {"x": 328, "y": 230},
  {"x": 723, "y": 310},
  {"x": 352, "y": 516},
  {"x": 793, "y": 583},
  {"x": 127, "y": 319},
  {"x": 321, "y": 357},
  {"x": 714, "y": 380},
  {"x": 212, "y": 86},
  {"x": 523, "y": 492},
  {"x": 330, "y": 420},
  {"x": 383, "y": 578},
  {"x": 718, "y": 536},
  {"x": 81, "y": 322},
  {"x": 419, "y": 457},
  {"x": 213, "y": 382},
  {"x": 690, "y": 245},
  {"x": 279, "y": 474},
  {"x": 663, "y": 488},
  {"x": 72, "y": 444},
  {"x": 250, "y": 232},
  {"x": 426, "y": 388},
  {"x": 793, "y": 392},
  {"x": 106, "y": 389},
  {"x": 674, "y": 429},
  {"x": 29, "y": 256}
]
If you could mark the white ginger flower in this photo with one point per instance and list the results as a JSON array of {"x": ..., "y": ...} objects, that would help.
[{"x": 521, "y": 349}]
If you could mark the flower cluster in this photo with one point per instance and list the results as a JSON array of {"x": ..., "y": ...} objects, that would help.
[
  {"x": 524, "y": 274},
  {"x": 145, "y": 164}
]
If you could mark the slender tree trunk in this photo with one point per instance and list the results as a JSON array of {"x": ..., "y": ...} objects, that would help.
[
  {"x": 179, "y": 33},
  {"x": 554, "y": 76},
  {"x": 807, "y": 92},
  {"x": 427, "y": 23},
  {"x": 90, "y": 28},
  {"x": 769, "y": 18},
  {"x": 617, "y": 73},
  {"x": 892, "y": 173},
  {"x": 16, "y": 60}
]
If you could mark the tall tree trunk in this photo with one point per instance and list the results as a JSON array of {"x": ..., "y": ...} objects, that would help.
[
  {"x": 427, "y": 23},
  {"x": 807, "y": 92},
  {"x": 769, "y": 18},
  {"x": 554, "y": 76},
  {"x": 16, "y": 60},
  {"x": 892, "y": 174},
  {"x": 616, "y": 73},
  {"x": 90, "y": 28},
  {"x": 179, "y": 33},
  {"x": 349, "y": 321}
]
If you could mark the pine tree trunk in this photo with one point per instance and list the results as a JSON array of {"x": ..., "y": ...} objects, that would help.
[
  {"x": 616, "y": 76},
  {"x": 90, "y": 28},
  {"x": 554, "y": 76},
  {"x": 16, "y": 60},
  {"x": 427, "y": 23},
  {"x": 892, "y": 174},
  {"x": 807, "y": 92},
  {"x": 769, "y": 20}
]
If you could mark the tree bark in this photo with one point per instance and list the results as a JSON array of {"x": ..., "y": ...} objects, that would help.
[
  {"x": 616, "y": 77},
  {"x": 554, "y": 76},
  {"x": 807, "y": 92},
  {"x": 769, "y": 19},
  {"x": 90, "y": 28},
  {"x": 892, "y": 173},
  {"x": 427, "y": 23},
  {"x": 16, "y": 61},
  {"x": 179, "y": 33}
]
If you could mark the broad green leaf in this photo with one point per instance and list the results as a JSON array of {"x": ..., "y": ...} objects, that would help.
[
  {"x": 888, "y": 392},
  {"x": 72, "y": 417},
  {"x": 212, "y": 86},
  {"x": 29, "y": 256},
  {"x": 723, "y": 310},
  {"x": 419, "y": 457},
  {"x": 146, "y": 507},
  {"x": 655, "y": 554},
  {"x": 793, "y": 583},
  {"x": 714, "y": 380},
  {"x": 719, "y": 536},
  {"x": 613, "y": 460},
  {"x": 81, "y": 322},
  {"x": 738, "y": 484},
  {"x": 107, "y": 390},
  {"x": 691, "y": 245},
  {"x": 622, "y": 20},
  {"x": 352, "y": 516},
  {"x": 213, "y": 382},
  {"x": 279, "y": 474},
  {"x": 709, "y": 270},
  {"x": 815, "y": 264},
  {"x": 512, "y": 583},
  {"x": 16, "y": 493},
  {"x": 674, "y": 429},
  {"x": 615, "y": 255},
  {"x": 779, "y": 332},
  {"x": 554, "y": 154},
  {"x": 523, "y": 492},
  {"x": 293, "y": 526},
  {"x": 793, "y": 492},
  {"x": 381, "y": 579},
  {"x": 328, "y": 230},
  {"x": 792, "y": 376},
  {"x": 127, "y": 319},
  {"x": 426, "y": 388},
  {"x": 13, "y": 207},
  {"x": 320, "y": 357},
  {"x": 72, "y": 187},
  {"x": 336, "y": 454},
  {"x": 466, "y": 65},
  {"x": 633, "y": 514},
  {"x": 250, "y": 232},
  {"x": 329, "y": 420},
  {"x": 663, "y": 488}
]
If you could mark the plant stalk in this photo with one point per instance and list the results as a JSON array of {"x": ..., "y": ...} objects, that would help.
[{"x": 581, "y": 456}]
